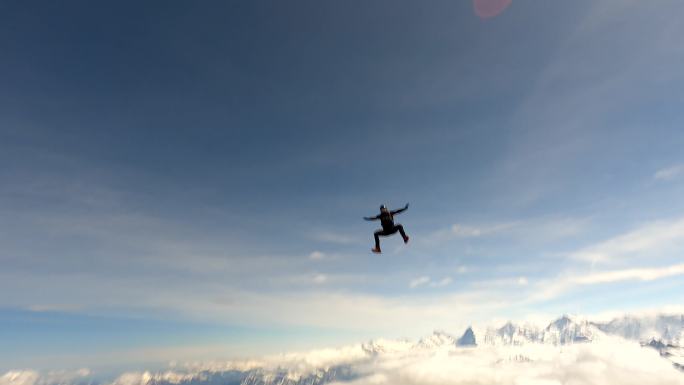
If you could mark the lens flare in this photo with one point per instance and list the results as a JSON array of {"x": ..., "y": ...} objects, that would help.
[{"x": 490, "y": 8}]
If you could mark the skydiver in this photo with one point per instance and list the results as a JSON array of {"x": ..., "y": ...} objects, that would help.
[{"x": 386, "y": 218}]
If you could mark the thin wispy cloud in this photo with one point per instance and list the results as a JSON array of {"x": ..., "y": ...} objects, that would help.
[
  {"x": 317, "y": 255},
  {"x": 653, "y": 242},
  {"x": 472, "y": 231},
  {"x": 648, "y": 239},
  {"x": 414, "y": 283},
  {"x": 529, "y": 231},
  {"x": 564, "y": 284},
  {"x": 669, "y": 173},
  {"x": 442, "y": 282},
  {"x": 334, "y": 237},
  {"x": 469, "y": 231},
  {"x": 544, "y": 163},
  {"x": 637, "y": 274},
  {"x": 427, "y": 281},
  {"x": 320, "y": 278},
  {"x": 54, "y": 308},
  {"x": 53, "y": 377}
]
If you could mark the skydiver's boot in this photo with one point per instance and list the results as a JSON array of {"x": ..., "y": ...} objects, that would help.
[
  {"x": 406, "y": 238},
  {"x": 376, "y": 250}
]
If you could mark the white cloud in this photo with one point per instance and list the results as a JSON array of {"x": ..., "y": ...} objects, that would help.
[
  {"x": 556, "y": 287},
  {"x": 32, "y": 377},
  {"x": 587, "y": 364},
  {"x": 53, "y": 308},
  {"x": 669, "y": 173},
  {"x": 609, "y": 361},
  {"x": 641, "y": 274},
  {"x": 320, "y": 278},
  {"x": 316, "y": 255},
  {"x": 535, "y": 230},
  {"x": 563, "y": 117},
  {"x": 466, "y": 231},
  {"x": 425, "y": 280},
  {"x": 20, "y": 377},
  {"x": 657, "y": 242},
  {"x": 335, "y": 237},
  {"x": 336, "y": 306},
  {"x": 651, "y": 238},
  {"x": 419, "y": 281},
  {"x": 303, "y": 304},
  {"x": 442, "y": 282}
]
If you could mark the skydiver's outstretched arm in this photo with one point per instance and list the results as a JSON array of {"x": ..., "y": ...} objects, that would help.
[
  {"x": 400, "y": 210},
  {"x": 375, "y": 218}
]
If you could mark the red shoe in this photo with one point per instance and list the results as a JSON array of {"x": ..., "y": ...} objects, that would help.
[
  {"x": 406, "y": 238},
  {"x": 376, "y": 250}
]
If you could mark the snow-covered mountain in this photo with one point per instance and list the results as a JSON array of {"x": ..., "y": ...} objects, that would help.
[
  {"x": 285, "y": 377},
  {"x": 568, "y": 331},
  {"x": 467, "y": 339},
  {"x": 564, "y": 330},
  {"x": 630, "y": 347},
  {"x": 437, "y": 339},
  {"x": 666, "y": 328},
  {"x": 382, "y": 346},
  {"x": 257, "y": 376},
  {"x": 511, "y": 334}
]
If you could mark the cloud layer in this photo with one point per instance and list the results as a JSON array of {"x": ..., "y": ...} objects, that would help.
[
  {"x": 612, "y": 361},
  {"x": 600, "y": 364}
]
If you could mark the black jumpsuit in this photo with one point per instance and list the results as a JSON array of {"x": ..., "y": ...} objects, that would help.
[{"x": 388, "y": 227}]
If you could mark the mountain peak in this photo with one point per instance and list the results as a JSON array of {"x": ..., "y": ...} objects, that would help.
[
  {"x": 467, "y": 339},
  {"x": 565, "y": 330},
  {"x": 561, "y": 323},
  {"x": 378, "y": 346},
  {"x": 437, "y": 339}
]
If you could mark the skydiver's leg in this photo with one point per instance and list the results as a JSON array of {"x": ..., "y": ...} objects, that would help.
[
  {"x": 401, "y": 231},
  {"x": 377, "y": 235}
]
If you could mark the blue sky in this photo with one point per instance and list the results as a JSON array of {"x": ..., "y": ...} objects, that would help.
[{"x": 187, "y": 180}]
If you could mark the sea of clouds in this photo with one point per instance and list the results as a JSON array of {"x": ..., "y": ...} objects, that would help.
[
  {"x": 612, "y": 361},
  {"x": 598, "y": 363}
]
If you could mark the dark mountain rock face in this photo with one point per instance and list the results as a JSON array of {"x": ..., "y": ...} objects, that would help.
[{"x": 467, "y": 339}]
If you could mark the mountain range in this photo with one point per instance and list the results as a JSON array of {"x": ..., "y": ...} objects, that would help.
[
  {"x": 661, "y": 332},
  {"x": 619, "y": 346}
]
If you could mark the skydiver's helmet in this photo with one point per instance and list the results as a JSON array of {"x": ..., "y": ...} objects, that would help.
[{"x": 383, "y": 208}]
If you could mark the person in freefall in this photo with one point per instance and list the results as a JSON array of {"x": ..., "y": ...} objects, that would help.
[{"x": 386, "y": 218}]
